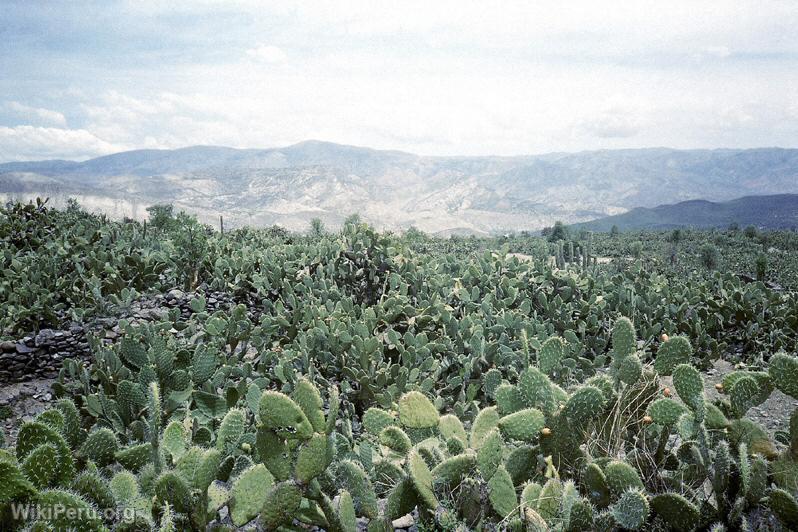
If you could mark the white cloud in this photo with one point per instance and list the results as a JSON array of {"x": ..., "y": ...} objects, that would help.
[
  {"x": 267, "y": 54},
  {"x": 37, "y": 113},
  {"x": 442, "y": 77},
  {"x": 31, "y": 143}
]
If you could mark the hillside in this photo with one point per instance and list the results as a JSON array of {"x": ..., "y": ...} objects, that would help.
[
  {"x": 775, "y": 211},
  {"x": 391, "y": 189}
]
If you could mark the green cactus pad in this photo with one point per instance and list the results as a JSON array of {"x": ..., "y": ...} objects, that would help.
[
  {"x": 595, "y": 481},
  {"x": 551, "y": 354},
  {"x": 689, "y": 385},
  {"x": 581, "y": 516},
  {"x": 524, "y": 425},
  {"x": 52, "y": 417},
  {"x": 41, "y": 465},
  {"x": 124, "y": 487},
  {"x": 676, "y": 511},
  {"x": 665, "y": 411},
  {"x": 422, "y": 479},
  {"x": 32, "y": 434},
  {"x": 785, "y": 507},
  {"x": 631, "y": 510},
  {"x": 501, "y": 493},
  {"x": 313, "y": 458},
  {"x": 624, "y": 338},
  {"x": 395, "y": 439},
  {"x": 134, "y": 457},
  {"x": 486, "y": 420},
  {"x": 346, "y": 512},
  {"x": 230, "y": 430},
  {"x": 450, "y": 426},
  {"x": 521, "y": 462},
  {"x": 451, "y": 471},
  {"x": 376, "y": 419},
  {"x": 489, "y": 455},
  {"x": 508, "y": 399},
  {"x": 14, "y": 484},
  {"x": 94, "y": 489},
  {"x": 491, "y": 380},
  {"x": 743, "y": 395},
  {"x": 783, "y": 371},
  {"x": 401, "y": 500},
  {"x": 629, "y": 369},
  {"x": 100, "y": 446},
  {"x": 352, "y": 476},
  {"x": 307, "y": 396},
  {"x": 551, "y": 494},
  {"x": 530, "y": 495},
  {"x": 332, "y": 410},
  {"x": 274, "y": 453},
  {"x": 675, "y": 351},
  {"x": 621, "y": 477},
  {"x": 173, "y": 488},
  {"x": 536, "y": 389},
  {"x": 281, "y": 504},
  {"x": 416, "y": 411},
  {"x": 199, "y": 466},
  {"x": 585, "y": 404},
  {"x": 280, "y": 413},
  {"x": 64, "y": 510},
  {"x": 72, "y": 431},
  {"x": 249, "y": 494}
]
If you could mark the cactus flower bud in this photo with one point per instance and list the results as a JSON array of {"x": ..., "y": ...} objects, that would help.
[{"x": 666, "y": 392}]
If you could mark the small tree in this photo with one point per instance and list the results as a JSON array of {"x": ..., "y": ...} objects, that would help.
[
  {"x": 162, "y": 217},
  {"x": 316, "y": 227},
  {"x": 637, "y": 249},
  {"x": 761, "y": 267},
  {"x": 558, "y": 232},
  {"x": 614, "y": 230},
  {"x": 709, "y": 256},
  {"x": 750, "y": 231}
]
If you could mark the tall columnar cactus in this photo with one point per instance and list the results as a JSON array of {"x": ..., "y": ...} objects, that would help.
[{"x": 154, "y": 418}]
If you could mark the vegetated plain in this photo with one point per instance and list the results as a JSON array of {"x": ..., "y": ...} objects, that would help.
[{"x": 364, "y": 379}]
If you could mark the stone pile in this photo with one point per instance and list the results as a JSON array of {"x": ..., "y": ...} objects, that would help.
[{"x": 40, "y": 356}]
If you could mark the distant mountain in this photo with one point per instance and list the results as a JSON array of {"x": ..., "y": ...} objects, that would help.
[
  {"x": 392, "y": 189},
  {"x": 777, "y": 212}
]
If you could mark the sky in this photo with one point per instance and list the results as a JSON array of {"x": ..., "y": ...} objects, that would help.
[{"x": 83, "y": 79}]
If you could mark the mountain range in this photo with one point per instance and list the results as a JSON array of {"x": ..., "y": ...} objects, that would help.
[
  {"x": 394, "y": 190},
  {"x": 779, "y": 211}
]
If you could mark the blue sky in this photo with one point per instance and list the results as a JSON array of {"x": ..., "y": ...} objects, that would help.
[{"x": 81, "y": 79}]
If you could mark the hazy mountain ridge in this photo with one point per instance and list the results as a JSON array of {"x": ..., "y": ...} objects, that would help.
[
  {"x": 394, "y": 189},
  {"x": 775, "y": 211}
]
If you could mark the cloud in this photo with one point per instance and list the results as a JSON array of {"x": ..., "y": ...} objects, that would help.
[
  {"x": 441, "y": 78},
  {"x": 267, "y": 54},
  {"x": 31, "y": 143},
  {"x": 39, "y": 114}
]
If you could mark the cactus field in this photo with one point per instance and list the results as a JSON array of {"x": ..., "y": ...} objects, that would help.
[{"x": 360, "y": 380}]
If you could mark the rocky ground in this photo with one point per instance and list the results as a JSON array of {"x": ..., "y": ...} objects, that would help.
[
  {"x": 22, "y": 402},
  {"x": 773, "y": 414}
]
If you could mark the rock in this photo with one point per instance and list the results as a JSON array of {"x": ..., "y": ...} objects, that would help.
[
  {"x": 404, "y": 522},
  {"x": 175, "y": 294},
  {"x": 111, "y": 335},
  {"x": 8, "y": 346},
  {"x": 22, "y": 348}
]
